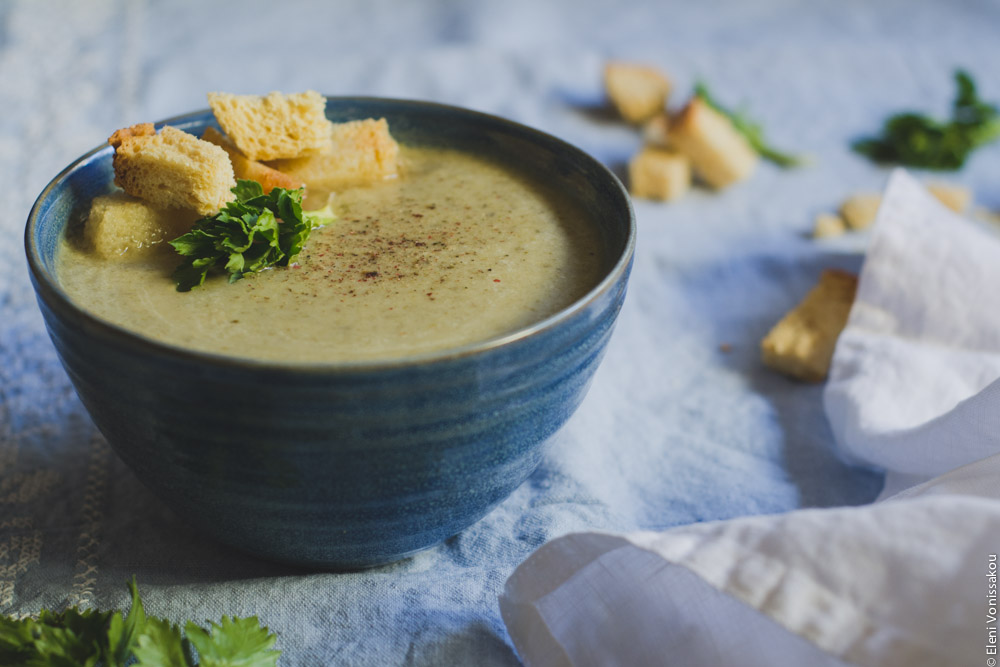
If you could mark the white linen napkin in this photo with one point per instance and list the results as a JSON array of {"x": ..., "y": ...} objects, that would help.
[{"x": 910, "y": 580}]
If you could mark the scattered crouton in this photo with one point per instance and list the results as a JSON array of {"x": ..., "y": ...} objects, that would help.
[
  {"x": 172, "y": 169},
  {"x": 828, "y": 225},
  {"x": 955, "y": 197},
  {"x": 859, "y": 210},
  {"x": 719, "y": 154},
  {"x": 275, "y": 126},
  {"x": 638, "y": 92},
  {"x": 245, "y": 168},
  {"x": 362, "y": 151},
  {"x": 659, "y": 173},
  {"x": 801, "y": 344},
  {"x": 120, "y": 225}
]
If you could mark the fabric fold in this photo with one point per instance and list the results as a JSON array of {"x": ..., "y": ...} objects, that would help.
[{"x": 913, "y": 390}]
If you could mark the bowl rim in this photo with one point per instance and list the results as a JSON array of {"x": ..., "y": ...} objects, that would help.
[{"x": 49, "y": 290}]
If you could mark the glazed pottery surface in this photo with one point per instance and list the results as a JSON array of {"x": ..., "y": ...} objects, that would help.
[{"x": 341, "y": 465}]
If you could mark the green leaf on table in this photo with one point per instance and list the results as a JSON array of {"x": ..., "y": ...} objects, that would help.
[
  {"x": 75, "y": 638},
  {"x": 70, "y": 638},
  {"x": 234, "y": 642},
  {"x": 161, "y": 644},
  {"x": 752, "y": 131},
  {"x": 123, "y": 633},
  {"x": 917, "y": 140}
]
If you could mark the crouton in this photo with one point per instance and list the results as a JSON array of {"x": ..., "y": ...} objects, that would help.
[
  {"x": 172, "y": 169},
  {"x": 638, "y": 92},
  {"x": 828, "y": 225},
  {"x": 802, "y": 343},
  {"x": 719, "y": 154},
  {"x": 658, "y": 173},
  {"x": 275, "y": 126},
  {"x": 859, "y": 210},
  {"x": 362, "y": 151},
  {"x": 955, "y": 197},
  {"x": 120, "y": 225},
  {"x": 245, "y": 168}
]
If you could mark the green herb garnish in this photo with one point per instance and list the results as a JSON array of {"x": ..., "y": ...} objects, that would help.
[
  {"x": 917, "y": 140},
  {"x": 109, "y": 639},
  {"x": 249, "y": 234},
  {"x": 751, "y": 130}
]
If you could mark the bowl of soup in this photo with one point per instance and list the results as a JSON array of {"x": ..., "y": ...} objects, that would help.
[{"x": 388, "y": 389}]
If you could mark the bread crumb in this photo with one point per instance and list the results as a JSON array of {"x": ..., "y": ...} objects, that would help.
[
  {"x": 658, "y": 173},
  {"x": 828, "y": 225},
  {"x": 956, "y": 197},
  {"x": 859, "y": 210},
  {"x": 801, "y": 345},
  {"x": 719, "y": 154},
  {"x": 638, "y": 92}
]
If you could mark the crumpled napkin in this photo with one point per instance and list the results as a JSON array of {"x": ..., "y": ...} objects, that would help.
[{"x": 909, "y": 580}]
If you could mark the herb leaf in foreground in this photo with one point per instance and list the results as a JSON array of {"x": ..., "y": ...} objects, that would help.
[
  {"x": 74, "y": 638},
  {"x": 124, "y": 632},
  {"x": 917, "y": 140},
  {"x": 251, "y": 233},
  {"x": 752, "y": 131},
  {"x": 236, "y": 641},
  {"x": 161, "y": 644}
]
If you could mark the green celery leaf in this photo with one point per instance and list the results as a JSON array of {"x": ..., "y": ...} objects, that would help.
[
  {"x": 16, "y": 641},
  {"x": 246, "y": 190},
  {"x": 752, "y": 131},
  {"x": 235, "y": 642},
  {"x": 917, "y": 140},
  {"x": 250, "y": 234},
  {"x": 75, "y": 638},
  {"x": 161, "y": 644},
  {"x": 320, "y": 217},
  {"x": 70, "y": 639},
  {"x": 123, "y": 634},
  {"x": 187, "y": 275}
]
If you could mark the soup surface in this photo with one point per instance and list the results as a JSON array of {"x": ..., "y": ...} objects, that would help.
[{"x": 455, "y": 251}]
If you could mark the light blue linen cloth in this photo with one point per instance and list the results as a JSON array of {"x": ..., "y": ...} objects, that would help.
[{"x": 682, "y": 423}]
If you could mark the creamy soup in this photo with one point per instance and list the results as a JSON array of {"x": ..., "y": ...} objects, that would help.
[{"x": 455, "y": 251}]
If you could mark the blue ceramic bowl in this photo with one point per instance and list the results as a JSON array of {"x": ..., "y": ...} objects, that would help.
[{"x": 353, "y": 464}]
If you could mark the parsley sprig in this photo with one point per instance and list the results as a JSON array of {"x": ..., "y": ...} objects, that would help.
[
  {"x": 917, "y": 140},
  {"x": 91, "y": 638},
  {"x": 751, "y": 130},
  {"x": 251, "y": 233}
]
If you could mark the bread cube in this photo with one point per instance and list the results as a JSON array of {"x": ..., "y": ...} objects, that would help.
[
  {"x": 245, "y": 168},
  {"x": 172, "y": 169},
  {"x": 275, "y": 126},
  {"x": 828, "y": 225},
  {"x": 658, "y": 173},
  {"x": 120, "y": 225},
  {"x": 956, "y": 197},
  {"x": 638, "y": 92},
  {"x": 360, "y": 152},
  {"x": 859, "y": 210},
  {"x": 801, "y": 345},
  {"x": 719, "y": 154}
]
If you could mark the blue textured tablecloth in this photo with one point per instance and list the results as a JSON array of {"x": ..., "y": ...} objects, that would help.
[{"x": 682, "y": 423}]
